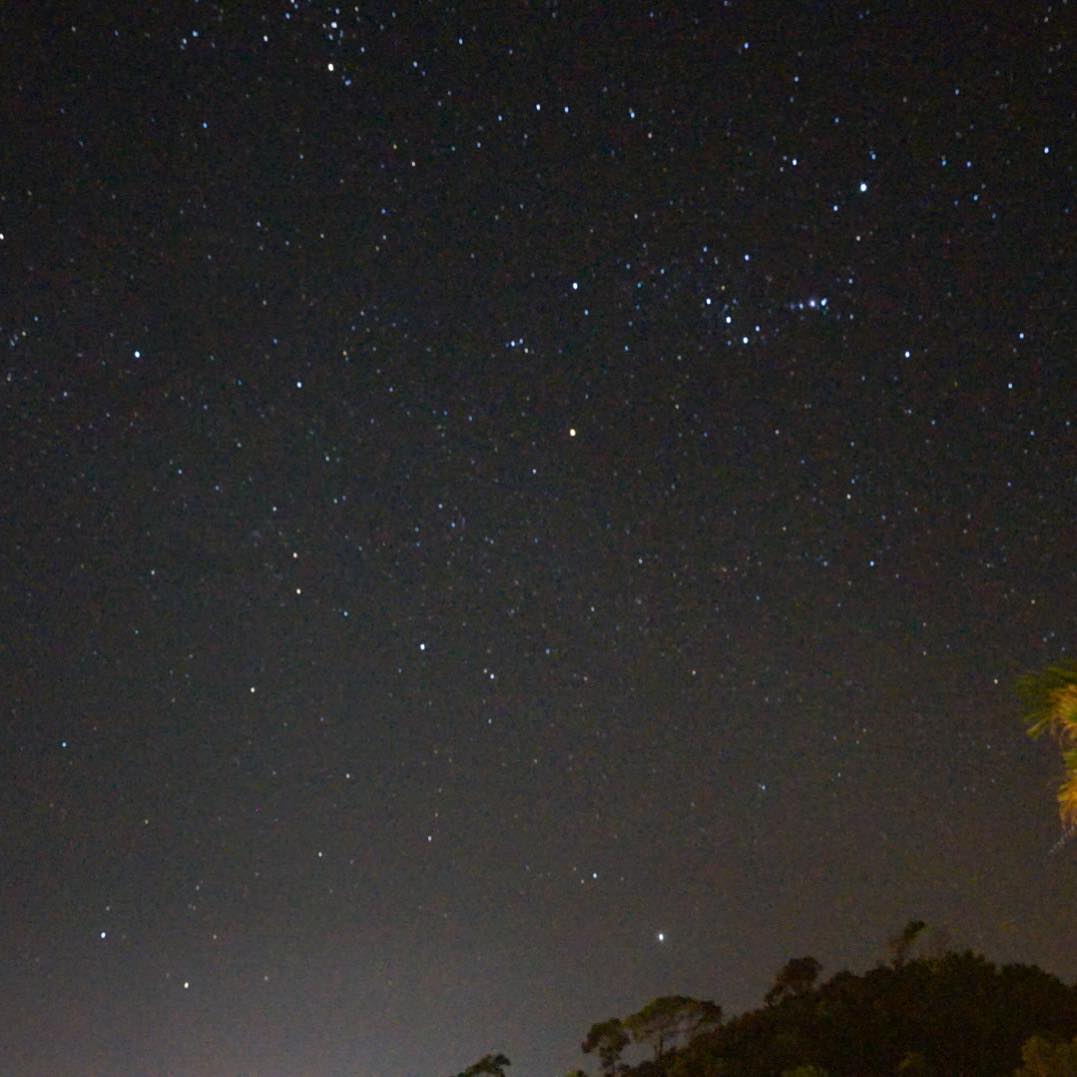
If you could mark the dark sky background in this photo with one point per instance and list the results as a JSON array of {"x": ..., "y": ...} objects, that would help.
[{"x": 512, "y": 510}]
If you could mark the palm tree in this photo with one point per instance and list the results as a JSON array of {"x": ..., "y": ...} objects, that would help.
[{"x": 1050, "y": 699}]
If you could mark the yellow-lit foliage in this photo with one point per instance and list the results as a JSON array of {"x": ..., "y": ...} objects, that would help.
[
  {"x": 1051, "y": 707},
  {"x": 1067, "y": 793}
]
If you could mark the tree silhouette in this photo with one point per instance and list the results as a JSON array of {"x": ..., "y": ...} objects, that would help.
[
  {"x": 1050, "y": 699},
  {"x": 608, "y": 1039},
  {"x": 900, "y": 946},
  {"x": 1048, "y": 1058},
  {"x": 796, "y": 976},
  {"x": 666, "y": 1020},
  {"x": 933, "y": 1015},
  {"x": 491, "y": 1065}
]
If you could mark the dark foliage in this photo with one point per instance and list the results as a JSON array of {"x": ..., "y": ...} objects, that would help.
[
  {"x": 957, "y": 1015},
  {"x": 492, "y": 1065}
]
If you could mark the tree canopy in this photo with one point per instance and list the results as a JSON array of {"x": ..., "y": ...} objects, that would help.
[
  {"x": 948, "y": 1014},
  {"x": 493, "y": 1065},
  {"x": 607, "y": 1039},
  {"x": 951, "y": 1015},
  {"x": 1048, "y": 1058},
  {"x": 666, "y": 1020}
]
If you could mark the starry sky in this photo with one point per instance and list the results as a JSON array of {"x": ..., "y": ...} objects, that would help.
[{"x": 511, "y": 510}]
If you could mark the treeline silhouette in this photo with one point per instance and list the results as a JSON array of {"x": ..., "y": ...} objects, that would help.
[
  {"x": 944, "y": 1014},
  {"x": 950, "y": 1014}
]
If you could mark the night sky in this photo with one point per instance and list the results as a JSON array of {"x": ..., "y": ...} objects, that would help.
[{"x": 510, "y": 511}]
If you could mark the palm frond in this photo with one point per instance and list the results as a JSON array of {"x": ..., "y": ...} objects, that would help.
[
  {"x": 1050, "y": 699},
  {"x": 1067, "y": 791},
  {"x": 1067, "y": 802}
]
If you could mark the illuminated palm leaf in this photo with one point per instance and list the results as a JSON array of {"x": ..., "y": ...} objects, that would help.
[
  {"x": 1067, "y": 793},
  {"x": 1050, "y": 699}
]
